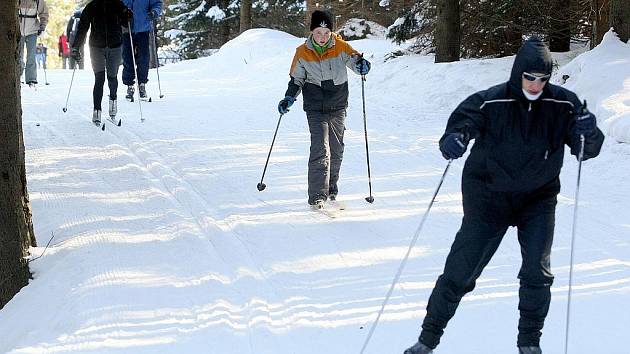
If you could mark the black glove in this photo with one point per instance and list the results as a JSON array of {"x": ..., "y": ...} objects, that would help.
[
  {"x": 75, "y": 54},
  {"x": 585, "y": 122},
  {"x": 285, "y": 103},
  {"x": 453, "y": 146},
  {"x": 363, "y": 66},
  {"x": 127, "y": 15},
  {"x": 41, "y": 29}
]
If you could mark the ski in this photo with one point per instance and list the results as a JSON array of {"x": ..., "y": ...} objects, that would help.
[
  {"x": 146, "y": 99},
  {"x": 330, "y": 209},
  {"x": 114, "y": 121}
]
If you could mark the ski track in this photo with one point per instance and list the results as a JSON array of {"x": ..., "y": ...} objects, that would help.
[{"x": 249, "y": 279}]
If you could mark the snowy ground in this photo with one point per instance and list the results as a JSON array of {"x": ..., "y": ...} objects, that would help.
[{"x": 162, "y": 244}]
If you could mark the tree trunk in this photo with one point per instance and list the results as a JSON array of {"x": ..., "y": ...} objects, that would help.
[
  {"x": 246, "y": 15},
  {"x": 600, "y": 14},
  {"x": 224, "y": 31},
  {"x": 16, "y": 229},
  {"x": 311, "y": 5},
  {"x": 447, "y": 32},
  {"x": 620, "y": 18},
  {"x": 560, "y": 26}
]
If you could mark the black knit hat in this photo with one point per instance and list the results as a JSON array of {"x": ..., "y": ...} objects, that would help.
[{"x": 321, "y": 19}]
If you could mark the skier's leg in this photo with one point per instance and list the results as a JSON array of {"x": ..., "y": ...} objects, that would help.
[
  {"x": 336, "y": 129},
  {"x": 112, "y": 63},
  {"x": 486, "y": 219},
  {"x": 141, "y": 41},
  {"x": 475, "y": 244},
  {"x": 129, "y": 72},
  {"x": 319, "y": 159},
  {"x": 21, "y": 55},
  {"x": 30, "y": 72},
  {"x": 97, "y": 57},
  {"x": 535, "y": 234}
]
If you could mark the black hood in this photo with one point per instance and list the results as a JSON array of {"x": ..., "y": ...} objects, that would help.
[{"x": 533, "y": 57}]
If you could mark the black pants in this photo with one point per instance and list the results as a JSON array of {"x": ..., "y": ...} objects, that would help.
[
  {"x": 487, "y": 216},
  {"x": 326, "y": 154},
  {"x": 105, "y": 61}
]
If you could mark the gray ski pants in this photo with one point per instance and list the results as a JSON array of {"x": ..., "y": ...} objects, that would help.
[
  {"x": 326, "y": 152},
  {"x": 30, "y": 67}
]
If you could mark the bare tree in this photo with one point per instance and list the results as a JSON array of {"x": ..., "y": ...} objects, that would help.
[
  {"x": 620, "y": 18},
  {"x": 16, "y": 229},
  {"x": 599, "y": 17},
  {"x": 448, "y": 31},
  {"x": 246, "y": 15}
]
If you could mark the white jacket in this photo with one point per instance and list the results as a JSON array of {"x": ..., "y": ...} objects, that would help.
[{"x": 33, "y": 14}]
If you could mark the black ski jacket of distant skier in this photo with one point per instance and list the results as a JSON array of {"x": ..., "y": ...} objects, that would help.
[
  {"x": 519, "y": 144},
  {"x": 106, "y": 18}
]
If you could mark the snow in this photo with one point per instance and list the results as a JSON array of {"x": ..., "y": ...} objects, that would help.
[
  {"x": 356, "y": 28},
  {"x": 609, "y": 62},
  {"x": 162, "y": 244},
  {"x": 215, "y": 13}
]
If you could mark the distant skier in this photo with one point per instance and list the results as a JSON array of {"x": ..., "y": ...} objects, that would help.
[
  {"x": 33, "y": 17},
  {"x": 106, "y": 18},
  {"x": 63, "y": 50},
  {"x": 71, "y": 33},
  {"x": 145, "y": 14},
  {"x": 511, "y": 178},
  {"x": 41, "y": 54},
  {"x": 319, "y": 72}
]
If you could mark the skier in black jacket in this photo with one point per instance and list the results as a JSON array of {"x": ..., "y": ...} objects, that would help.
[
  {"x": 511, "y": 178},
  {"x": 106, "y": 18}
]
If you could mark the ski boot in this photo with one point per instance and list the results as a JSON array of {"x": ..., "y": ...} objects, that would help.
[
  {"x": 419, "y": 348},
  {"x": 130, "y": 92},
  {"x": 529, "y": 350},
  {"x": 317, "y": 202},
  {"x": 113, "y": 108},
  {"x": 332, "y": 192},
  {"x": 96, "y": 117},
  {"x": 142, "y": 92}
]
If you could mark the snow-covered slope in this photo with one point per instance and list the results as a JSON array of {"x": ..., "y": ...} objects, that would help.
[{"x": 162, "y": 244}]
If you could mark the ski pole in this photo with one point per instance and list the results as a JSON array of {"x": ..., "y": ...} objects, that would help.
[
  {"x": 369, "y": 199},
  {"x": 404, "y": 261},
  {"x": 261, "y": 186},
  {"x": 133, "y": 56},
  {"x": 575, "y": 212},
  {"x": 157, "y": 62},
  {"x": 45, "y": 75},
  {"x": 65, "y": 108}
]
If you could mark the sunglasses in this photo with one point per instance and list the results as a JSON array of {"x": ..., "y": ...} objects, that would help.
[{"x": 532, "y": 77}]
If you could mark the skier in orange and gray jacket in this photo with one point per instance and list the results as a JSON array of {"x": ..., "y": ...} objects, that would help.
[{"x": 319, "y": 72}]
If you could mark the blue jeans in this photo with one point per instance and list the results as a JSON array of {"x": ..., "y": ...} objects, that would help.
[
  {"x": 30, "y": 69},
  {"x": 141, "y": 46}
]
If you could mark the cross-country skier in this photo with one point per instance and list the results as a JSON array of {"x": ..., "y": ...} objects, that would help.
[
  {"x": 33, "y": 16},
  {"x": 511, "y": 178},
  {"x": 319, "y": 72},
  {"x": 106, "y": 18},
  {"x": 146, "y": 12}
]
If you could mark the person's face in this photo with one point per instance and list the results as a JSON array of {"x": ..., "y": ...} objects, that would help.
[
  {"x": 534, "y": 83},
  {"x": 321, "y": 35}
]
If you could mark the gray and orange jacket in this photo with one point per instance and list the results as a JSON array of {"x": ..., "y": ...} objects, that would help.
[{"x": 322, "y": 79}]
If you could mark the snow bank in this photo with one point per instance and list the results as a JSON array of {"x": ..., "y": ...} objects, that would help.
[{"x": 602, "y": 77}]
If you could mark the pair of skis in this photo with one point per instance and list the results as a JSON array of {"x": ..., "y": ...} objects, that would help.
[{"x": 113, "y": 120}]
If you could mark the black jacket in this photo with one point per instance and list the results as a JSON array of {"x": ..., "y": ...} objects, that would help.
[
  {"x": 519, "y": 144},
  {"x": 106, "y": 18}
]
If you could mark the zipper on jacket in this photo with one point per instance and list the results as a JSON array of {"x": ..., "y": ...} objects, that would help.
[
  {"x": 546, "y": 154},
  {"x": 530, "y": 107}
]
